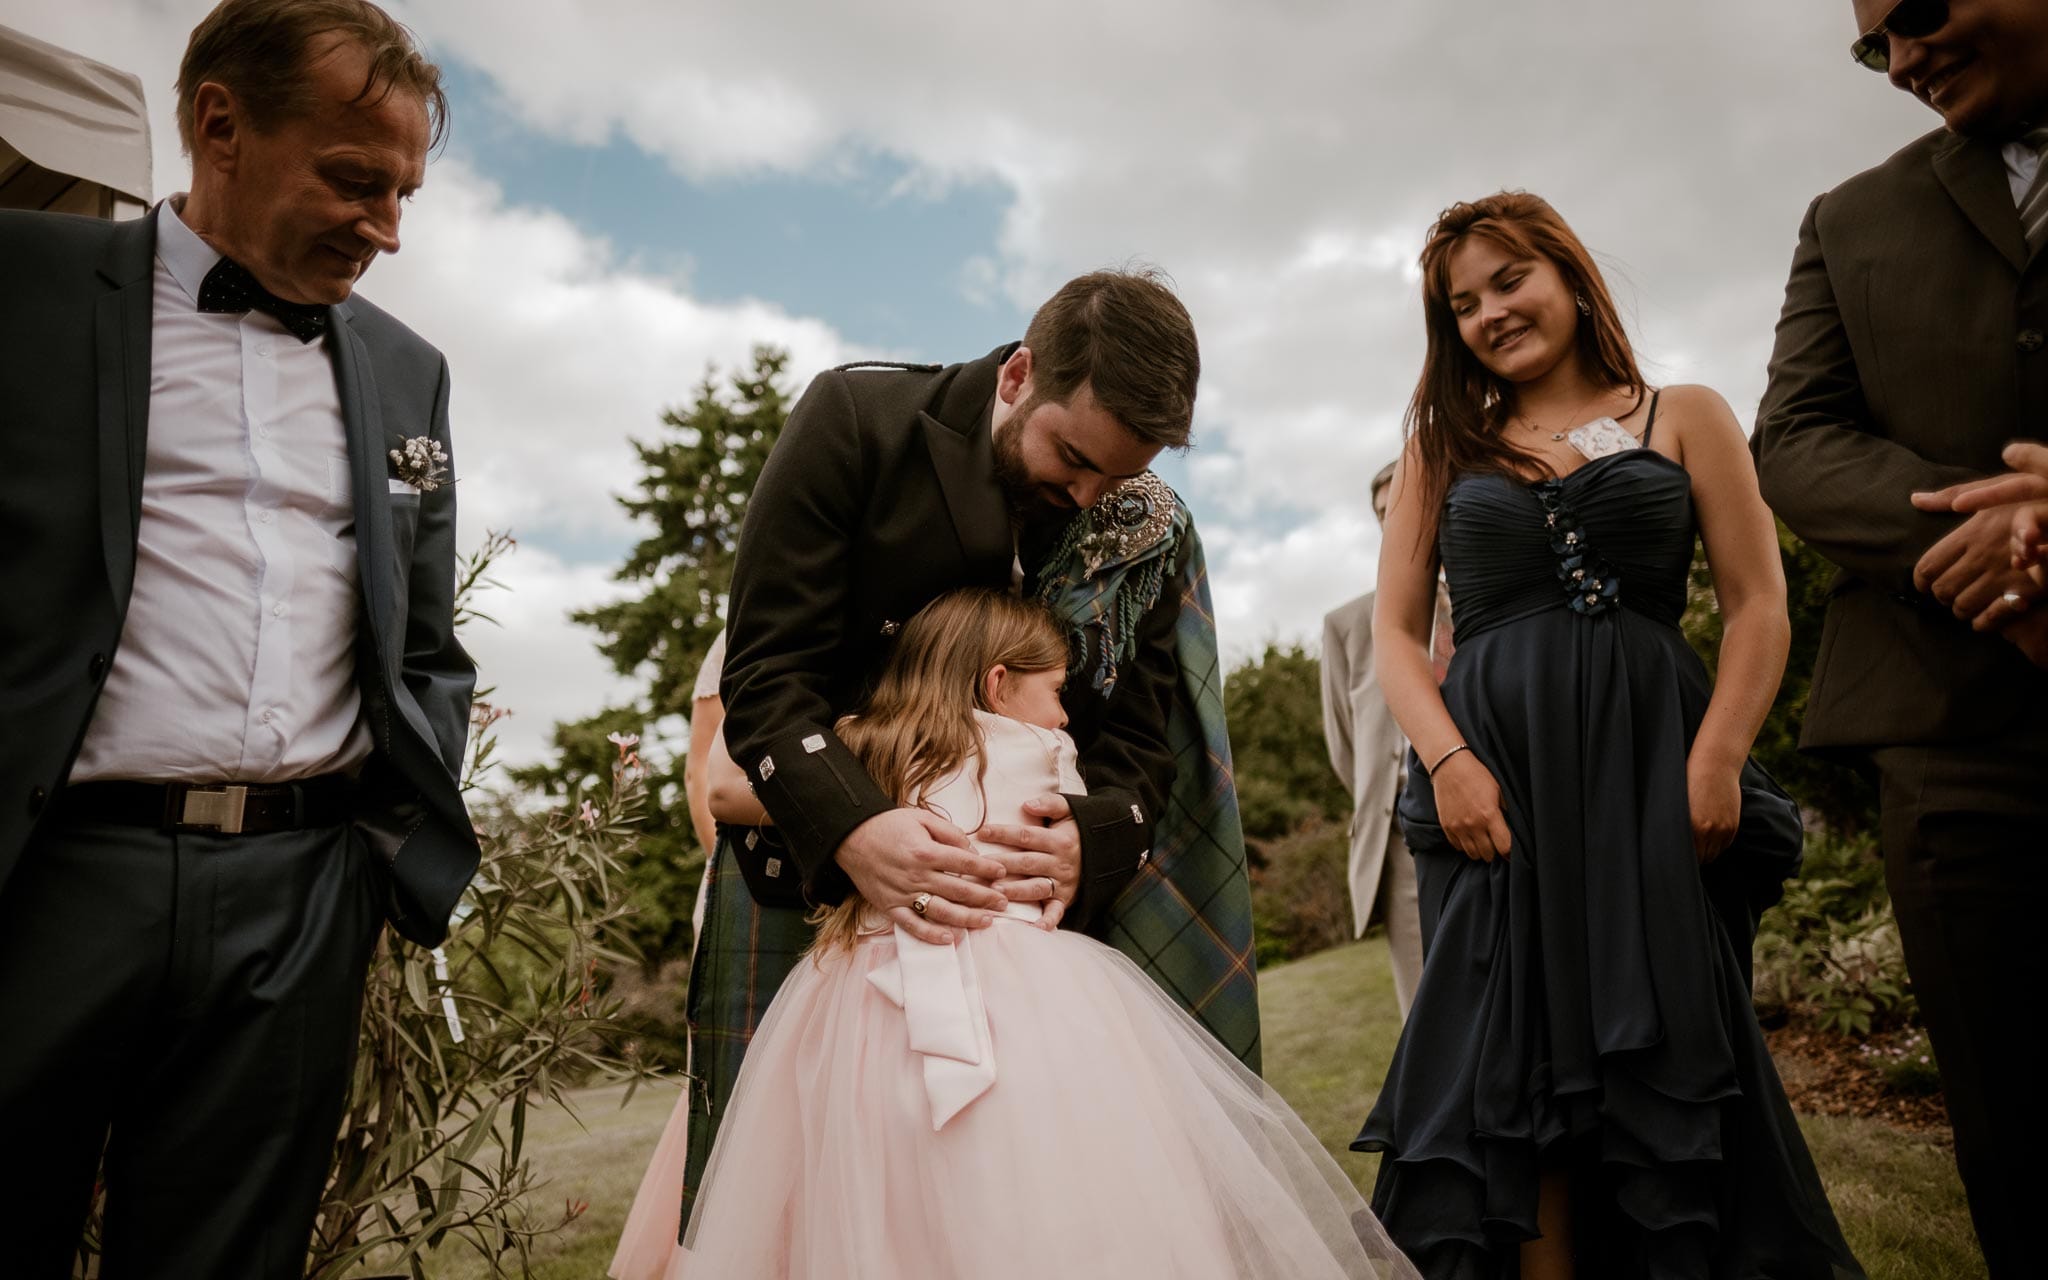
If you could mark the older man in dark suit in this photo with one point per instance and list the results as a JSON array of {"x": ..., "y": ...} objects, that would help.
[
  {"x": 234, "y": 703},
  {"x": 1909, "y": 352}
]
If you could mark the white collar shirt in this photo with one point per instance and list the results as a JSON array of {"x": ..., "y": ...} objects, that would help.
[
  {"x": 237, "y": 659},
  {"x": 2022, "y": 162}
]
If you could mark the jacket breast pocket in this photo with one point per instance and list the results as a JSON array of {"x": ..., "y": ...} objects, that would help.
[{"x": 405, "y": 524}]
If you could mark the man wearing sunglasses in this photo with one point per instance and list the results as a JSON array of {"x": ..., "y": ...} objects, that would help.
[{"x": 1912, "y": 347}]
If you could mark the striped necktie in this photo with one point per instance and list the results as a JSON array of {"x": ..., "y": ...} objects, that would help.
[{"x": 2034, "y": 205}]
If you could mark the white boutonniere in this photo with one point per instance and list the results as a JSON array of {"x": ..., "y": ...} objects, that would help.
[{"x": 422, "y": 463}]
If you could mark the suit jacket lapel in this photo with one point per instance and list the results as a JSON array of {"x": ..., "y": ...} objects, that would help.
[
  {"x": 356, "y": 379},
  {"x": 963, "y": 455},
  {"x": 1974, "y": 173},
  {"x": 121, "y": 353},
  {"x": 966, "y": 470}
]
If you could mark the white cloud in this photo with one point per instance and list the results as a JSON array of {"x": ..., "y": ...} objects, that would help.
[
  {"x": 541, "y": 668},
  {"x": 1281, "y": 160},
  {"x": 559, "y": 353},
  {"x": 1276, "y": 587}
]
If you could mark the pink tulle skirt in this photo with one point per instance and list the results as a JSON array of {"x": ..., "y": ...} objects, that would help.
[{"x": 1117, "y": 1140}]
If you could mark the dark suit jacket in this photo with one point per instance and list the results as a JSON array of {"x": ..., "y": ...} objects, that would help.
[
  {"x": 1910, "y": 351},
  {"x": 879, "y": 496},
  {"x": 74, "y": 417}
]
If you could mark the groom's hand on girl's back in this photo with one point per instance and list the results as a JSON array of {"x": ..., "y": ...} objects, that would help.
[
  {"x": 895, "y": 856},
  {"x": 1040, "y": 864}
]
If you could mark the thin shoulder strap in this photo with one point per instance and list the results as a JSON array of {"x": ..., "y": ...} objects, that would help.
[{"x": 1651, "y": 425}]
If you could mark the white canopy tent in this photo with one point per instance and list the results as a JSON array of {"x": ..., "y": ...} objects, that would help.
[{"x": 74, "y": 135}]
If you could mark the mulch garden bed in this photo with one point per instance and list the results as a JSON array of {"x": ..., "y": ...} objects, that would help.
[{"x": 1833, "y": 1075}]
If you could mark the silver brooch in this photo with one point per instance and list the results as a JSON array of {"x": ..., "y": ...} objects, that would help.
[
  {"x": 421, "y": 462},
  {"x": 1128, "y": 519}
]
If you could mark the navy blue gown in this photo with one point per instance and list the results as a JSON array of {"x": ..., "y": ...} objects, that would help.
[{"x": 1584, "y": 1002}]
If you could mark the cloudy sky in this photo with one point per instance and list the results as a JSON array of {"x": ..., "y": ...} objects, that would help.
[{"x": 636, "y": 189}]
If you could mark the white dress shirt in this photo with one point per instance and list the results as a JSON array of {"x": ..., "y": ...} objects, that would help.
[
  {"x": 2022, "y": 162},
  {"x": 237, "y": 660}
]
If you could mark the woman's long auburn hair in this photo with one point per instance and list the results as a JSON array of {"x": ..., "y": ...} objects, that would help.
[
  {"x": 918, "y": 725},
  {"x": 1460, "y": 407}
]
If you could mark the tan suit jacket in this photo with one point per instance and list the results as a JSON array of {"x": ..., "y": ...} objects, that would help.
[{"x": 1366, "y": 747}]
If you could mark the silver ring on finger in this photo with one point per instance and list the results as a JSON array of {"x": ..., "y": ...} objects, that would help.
[
  {"x": 921, "y": 903},
  {"x": 1052, "y": 888},
  {"x": 2013, "y": 599}
]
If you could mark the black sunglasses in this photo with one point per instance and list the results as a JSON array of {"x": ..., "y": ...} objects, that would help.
[{"x": 1910, "y": 19}]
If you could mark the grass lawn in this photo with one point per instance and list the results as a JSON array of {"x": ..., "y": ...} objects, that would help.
[{"x": 1330, "y": 1026}]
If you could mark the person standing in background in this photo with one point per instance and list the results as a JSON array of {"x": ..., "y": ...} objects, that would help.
[
  {"x": 1909, "y": 352},
  {"x": 655, "y": 1218},
  {"x": 1370, "y": 757},
  {"x": 707, "y": 723}
]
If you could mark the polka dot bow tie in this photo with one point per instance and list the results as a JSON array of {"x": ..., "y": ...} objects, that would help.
[{"x": 229, "y": 288}]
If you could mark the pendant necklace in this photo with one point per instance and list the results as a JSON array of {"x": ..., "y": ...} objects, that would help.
[{"x": 1558, "y": 436}]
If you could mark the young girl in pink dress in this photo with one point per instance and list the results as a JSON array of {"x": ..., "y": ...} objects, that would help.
[{"x": 1021, "y": 1103}]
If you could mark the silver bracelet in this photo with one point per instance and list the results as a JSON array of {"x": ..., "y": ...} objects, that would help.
[{"x": 1431, "y": 771}]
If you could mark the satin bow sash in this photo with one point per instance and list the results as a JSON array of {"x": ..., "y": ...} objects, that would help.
[{"x": 940, "y": 995}]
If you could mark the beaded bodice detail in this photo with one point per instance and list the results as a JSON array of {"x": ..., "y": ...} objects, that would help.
[
  {"x": 1590, "y": 583},
  {"x": 1616, "y": 533}
]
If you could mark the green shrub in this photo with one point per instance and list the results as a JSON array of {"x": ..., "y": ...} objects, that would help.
[
  {"x": 1274, "y": 703},
  {"x": 1831, "y": 949},
  {"x": 651, "y": 1012},
  {"x": 1301, "y": 901}
]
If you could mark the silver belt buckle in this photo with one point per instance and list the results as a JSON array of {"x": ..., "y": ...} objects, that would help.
[{"x": 216, "y": 807}]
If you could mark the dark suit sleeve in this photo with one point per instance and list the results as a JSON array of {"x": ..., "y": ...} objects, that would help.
[
  {"x": 439, "y": 675},
  {"x": 1824, "y": 468},
  {"x": 1128, "y": 766},
  {"x": 787, "y": 613}
]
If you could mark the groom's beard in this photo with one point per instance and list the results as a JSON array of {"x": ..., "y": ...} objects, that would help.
[{"x": 1027, "y": 499}]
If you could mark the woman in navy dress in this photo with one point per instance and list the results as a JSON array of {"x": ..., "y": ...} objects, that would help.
[{"x": 1581, "y": 1088}]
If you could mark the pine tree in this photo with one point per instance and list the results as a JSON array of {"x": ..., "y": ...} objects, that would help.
[
  {"x": 694, "y": 485},
  {"x": 695, "y": 477}
]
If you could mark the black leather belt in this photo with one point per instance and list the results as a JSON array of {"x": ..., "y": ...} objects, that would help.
[{"x": 229, "y": 808}]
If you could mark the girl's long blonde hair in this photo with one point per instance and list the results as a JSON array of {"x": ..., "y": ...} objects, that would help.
[{"x": 918, "y": 725}]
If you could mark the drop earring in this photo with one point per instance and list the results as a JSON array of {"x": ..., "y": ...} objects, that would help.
[{"x": 1585, "y": 307}]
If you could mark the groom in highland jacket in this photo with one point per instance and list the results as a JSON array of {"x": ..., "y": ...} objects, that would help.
[{"x": 234, "y": 705}]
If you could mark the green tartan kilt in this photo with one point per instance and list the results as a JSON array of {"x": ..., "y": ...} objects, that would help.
[{"x": 745, "y": 953}]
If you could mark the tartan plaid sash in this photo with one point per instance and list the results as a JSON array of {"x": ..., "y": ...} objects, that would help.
[{"x": 1186, "y": 919}]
